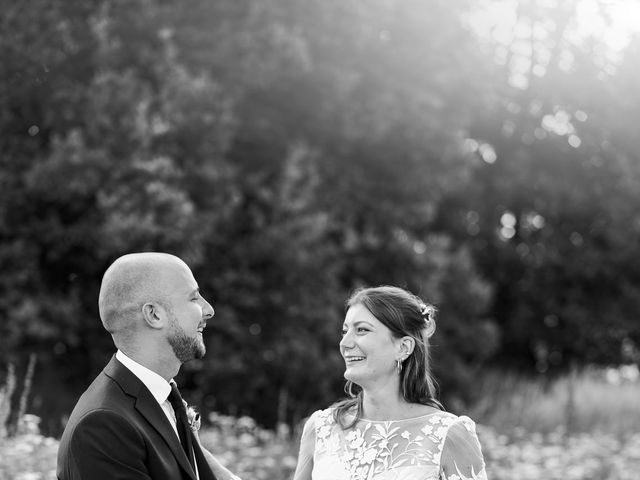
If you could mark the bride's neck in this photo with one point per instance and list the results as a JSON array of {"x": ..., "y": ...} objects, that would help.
[{"x": 383, "y": 405}]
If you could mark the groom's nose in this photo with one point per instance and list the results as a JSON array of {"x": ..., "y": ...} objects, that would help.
[{"x": 207, "y": 310}]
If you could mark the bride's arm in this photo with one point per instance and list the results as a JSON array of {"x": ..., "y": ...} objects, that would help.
[
  {"x": 462, "y": 455},
  {"x": 217, "y": 468},
  {"x": 307, "y": 446}
]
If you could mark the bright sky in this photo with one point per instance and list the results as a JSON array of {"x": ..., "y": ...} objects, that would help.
[
  {"x": 524, "y": 34},
  {"x": 527, "y": 39},
  {"x": 625, "y": 21},
  {"x": 497, "y": 19}
]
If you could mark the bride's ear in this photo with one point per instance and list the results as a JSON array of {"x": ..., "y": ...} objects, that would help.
[{"x": 407, "y": 344}]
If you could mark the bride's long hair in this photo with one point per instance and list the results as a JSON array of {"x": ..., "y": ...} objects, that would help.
[{"x": 404, "y": 314}]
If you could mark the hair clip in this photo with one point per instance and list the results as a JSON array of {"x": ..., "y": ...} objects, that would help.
[{"x": 426, "y": 311}]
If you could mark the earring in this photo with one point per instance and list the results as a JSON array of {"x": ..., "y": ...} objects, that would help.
[{"x": 399, "y": 365}]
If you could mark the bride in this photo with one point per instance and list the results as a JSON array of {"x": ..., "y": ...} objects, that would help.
[{"x": 392, "y": 426}]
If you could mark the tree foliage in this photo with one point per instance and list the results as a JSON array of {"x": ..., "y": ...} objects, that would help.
[{"x": 290, "y": 152}]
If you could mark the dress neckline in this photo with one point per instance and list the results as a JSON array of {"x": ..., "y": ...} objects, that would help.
[{"x": 419, "y": 417}]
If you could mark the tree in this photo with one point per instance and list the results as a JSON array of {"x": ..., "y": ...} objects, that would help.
[{"x": 553, "y": 193}]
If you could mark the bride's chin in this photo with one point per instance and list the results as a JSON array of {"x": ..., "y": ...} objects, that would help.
[{"x": 350, "y": 376}]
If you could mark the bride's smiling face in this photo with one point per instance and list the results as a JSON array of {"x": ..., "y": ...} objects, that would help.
[{"x": 368, "y": 348}]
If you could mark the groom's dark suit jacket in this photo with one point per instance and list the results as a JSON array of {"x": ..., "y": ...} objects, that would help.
[{"x": 118, "y": 431}]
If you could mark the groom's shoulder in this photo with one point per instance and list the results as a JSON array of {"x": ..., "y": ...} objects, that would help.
[
  {"x": 104, "y": 394},
  {"x": 103, "y": 407}
]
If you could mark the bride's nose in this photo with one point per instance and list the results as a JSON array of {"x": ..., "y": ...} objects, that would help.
[{"x": 346, "y": 341}]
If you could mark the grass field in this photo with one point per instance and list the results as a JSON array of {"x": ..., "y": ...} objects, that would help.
[
  {"x": 593, "y": 401},
  {"x": 580, "y": 427}
]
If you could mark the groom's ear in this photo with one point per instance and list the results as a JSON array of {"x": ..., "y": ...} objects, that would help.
[{"x": 153, "y": 315}]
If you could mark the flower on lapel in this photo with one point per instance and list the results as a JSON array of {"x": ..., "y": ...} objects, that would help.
[{"x": 194, "y": 419}]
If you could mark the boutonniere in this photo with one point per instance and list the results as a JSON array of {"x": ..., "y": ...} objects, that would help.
[{"x": 194, "y": 419}]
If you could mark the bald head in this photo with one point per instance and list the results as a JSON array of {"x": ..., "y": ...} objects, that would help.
[{"x": 130, "y": 282}]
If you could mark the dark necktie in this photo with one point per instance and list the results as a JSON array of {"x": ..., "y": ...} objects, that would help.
[{"x": 184, "y": 431}]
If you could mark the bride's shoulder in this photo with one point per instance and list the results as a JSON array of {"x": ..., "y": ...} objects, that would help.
[
  {"x": 447, "y": 418},
  {"x": 320, "y": 418},
  {"x": 456, "y": 429},
  {"x": 441, "y": 422}
]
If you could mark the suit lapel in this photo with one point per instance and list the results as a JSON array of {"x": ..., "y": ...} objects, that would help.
[{"x": 149, "y": 408}]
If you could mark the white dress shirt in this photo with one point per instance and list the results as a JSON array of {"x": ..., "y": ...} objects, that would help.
[{"x": 157, "y": 385}]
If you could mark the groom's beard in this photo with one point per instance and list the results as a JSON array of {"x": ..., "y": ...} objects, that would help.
[{"x": 184, "y": 347}]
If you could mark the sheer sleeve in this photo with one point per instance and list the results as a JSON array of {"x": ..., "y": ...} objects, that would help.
[
  {"x": 307, "y": 447},
  {"x": 461, "y": 455}
]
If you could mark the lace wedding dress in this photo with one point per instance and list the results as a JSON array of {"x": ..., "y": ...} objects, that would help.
[{"x": 437, "y": 446}]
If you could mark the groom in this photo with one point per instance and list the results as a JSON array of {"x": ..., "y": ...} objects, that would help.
[{"x": 128, "y": 423}]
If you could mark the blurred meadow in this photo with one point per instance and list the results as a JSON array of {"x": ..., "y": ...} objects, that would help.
[
  {"x": 580, "y": 427},
  {"x": 483, "y": 154}
]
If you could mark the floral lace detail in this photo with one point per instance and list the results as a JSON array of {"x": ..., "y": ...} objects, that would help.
[
  {"x": 481, "y": 475},
  {"x": 372, "y": 449}
]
